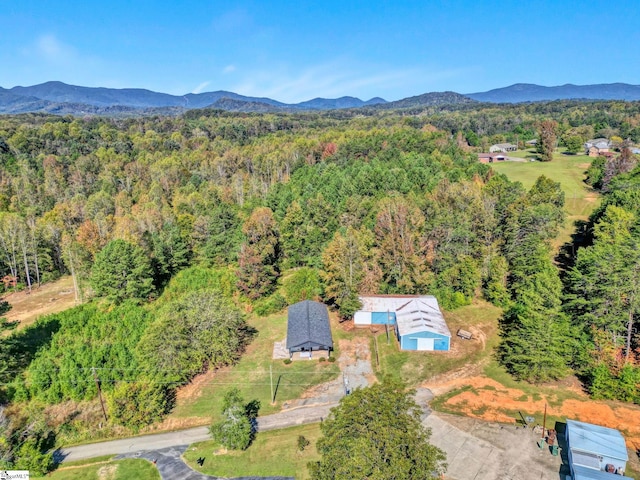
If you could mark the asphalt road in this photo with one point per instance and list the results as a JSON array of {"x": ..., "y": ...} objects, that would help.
[{"x": 287, "y": 418}]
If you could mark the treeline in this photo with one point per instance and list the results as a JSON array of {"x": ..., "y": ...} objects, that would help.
[
  {"x": 176, "y": 223},
  {"x": 137, "y": 354},
  {"x": 603, "y": 287}
]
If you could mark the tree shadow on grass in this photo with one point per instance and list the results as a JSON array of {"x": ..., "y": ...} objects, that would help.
[{"x": 581, "y": 237}]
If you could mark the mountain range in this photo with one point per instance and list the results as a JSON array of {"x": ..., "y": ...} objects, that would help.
[
  {"x": 60, "y": 98},
  {"x": 527, "y": 92}
]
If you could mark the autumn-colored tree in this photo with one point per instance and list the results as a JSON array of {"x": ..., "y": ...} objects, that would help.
[
  {"x": 398, "y": 236},
  {"x": 349, "y": 269},
  {"x": 259, "y": 254},
  {"x": 547, "y": 132}
]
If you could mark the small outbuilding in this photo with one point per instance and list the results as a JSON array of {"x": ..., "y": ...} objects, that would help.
[
  {"x": 308, "y": 328},
  {"x": 417, "y": 320},
  {"x": 491, "y": 157},
  {"x": 595, "y": 452},
  {"x": 503, "y": 148}
]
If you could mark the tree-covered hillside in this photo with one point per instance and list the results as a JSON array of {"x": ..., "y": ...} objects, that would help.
[{"x": 266, "y": 210}]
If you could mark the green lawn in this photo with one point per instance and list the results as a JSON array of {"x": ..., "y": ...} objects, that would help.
[
  {"x": 569, "y": 170},
  {"x": 272, "y": 453},
  {"x": 252, "y": 377},
  {"x": 416, "y": 367},
  {"x": 108, "y": 470},
  {"x": 566, "y": 169}
]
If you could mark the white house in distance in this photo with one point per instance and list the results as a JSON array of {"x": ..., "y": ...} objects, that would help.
[
  {"x": 416, "y": 319},
  {"x": 503, "y": 148},
  {"x": 595, "y": 452}
]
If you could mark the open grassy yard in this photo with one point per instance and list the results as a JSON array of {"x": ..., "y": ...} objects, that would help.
[
  {"x": 49, "y": 298},
  {"x": 203, "y": 397},
  {"x": 566, "y": 169},
  {"x": 107, "y": 470},
  {"x": 481, "y": 318},
  {"x": 569, "y": 170},
  {"x": 272, "y": 453}
]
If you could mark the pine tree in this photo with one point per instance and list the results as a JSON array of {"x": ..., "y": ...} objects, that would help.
[
  {"x": 536, "y": 336},
  {"x": 122, "y": 270}
]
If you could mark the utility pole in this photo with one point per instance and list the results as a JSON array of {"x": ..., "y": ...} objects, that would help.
[{"x": 95, "y": 377}]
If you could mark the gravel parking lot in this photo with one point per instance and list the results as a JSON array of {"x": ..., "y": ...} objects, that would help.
[{"x": 479, "y": 450}]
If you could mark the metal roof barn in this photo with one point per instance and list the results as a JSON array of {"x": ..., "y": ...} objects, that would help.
[
  {"x": 418, "y": 321},
  {"x": 593, "y": 449},
  {"x": 308, "y": 327}
]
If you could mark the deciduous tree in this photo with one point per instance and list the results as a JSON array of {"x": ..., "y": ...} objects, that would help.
[
  {"x": 547, "y": 139},
  {"x": 376, "y": 433}
]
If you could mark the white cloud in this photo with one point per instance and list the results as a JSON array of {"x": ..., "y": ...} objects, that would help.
[
  {"x": 201, "y": 87},
  {"x": 229, "y": 69},
  {"x": 232, "y": 21},
  {"x": 53, "y": 50},
  {"x": 340, "y": 78}
]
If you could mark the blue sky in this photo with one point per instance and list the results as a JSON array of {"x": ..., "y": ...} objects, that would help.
[{"x": 296, "y": 50}]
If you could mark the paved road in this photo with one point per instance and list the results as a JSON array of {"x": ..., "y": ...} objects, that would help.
[{"x": 287, "y": 418}]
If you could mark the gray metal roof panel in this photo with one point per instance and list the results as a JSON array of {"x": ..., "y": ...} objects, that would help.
[{"x": 596, "y": 439}]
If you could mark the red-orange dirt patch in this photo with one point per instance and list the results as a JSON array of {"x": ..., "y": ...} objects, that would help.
[{"x": 491, "y": 401}]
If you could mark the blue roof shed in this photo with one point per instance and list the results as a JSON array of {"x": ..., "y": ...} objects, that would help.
[{"x": 595, "y": 448}]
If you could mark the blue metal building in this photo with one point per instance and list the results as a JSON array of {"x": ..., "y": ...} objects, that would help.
[
  {"x": 595, "y": 452},
  {"x": 417, "y": 320}
]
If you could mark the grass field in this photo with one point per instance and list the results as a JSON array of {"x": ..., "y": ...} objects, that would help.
[
  {"x": 416, "y": 367},
  {"x": 272, "y": 453},
  {"x": 569, "y": 170},
  {"x": 100, "y": 469},
  {"x": 49, "y": 298},
  {"x": 252, "y": 376}
]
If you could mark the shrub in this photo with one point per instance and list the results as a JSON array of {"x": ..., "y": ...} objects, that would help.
[
  {"x": 269, "y": 305},
  {"x": 303, "y": 443},
  {"x": 303, "y": 284},
  {"x": 138, "y": 404},
  {"x": 332, "y": 359},
  {"x": 287, "y": 361}
]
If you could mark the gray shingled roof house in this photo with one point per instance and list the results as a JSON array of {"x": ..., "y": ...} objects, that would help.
[{"x": 308, "y": 327}]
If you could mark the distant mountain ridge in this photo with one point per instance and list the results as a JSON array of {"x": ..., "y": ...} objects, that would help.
[
  {"x": 48, "y": 95},
  {"x": 527, "y": 92},
  {"x": 62, "y": 99}
]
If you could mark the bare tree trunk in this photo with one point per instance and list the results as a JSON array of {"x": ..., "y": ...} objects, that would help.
[
  {"x": 26, "y": 266},
  {"x": 34, "y": 246},
  {"x": 629, "y": 334},
  {"x": 74, "y": 277}
]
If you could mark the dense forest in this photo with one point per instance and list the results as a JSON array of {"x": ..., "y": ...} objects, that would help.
[{"x": 173, "y": 227}]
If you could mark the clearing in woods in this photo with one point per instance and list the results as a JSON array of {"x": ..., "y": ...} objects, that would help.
[
  {"x": 569, "y": 170},
  {"x": 49, "y": 298}
]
